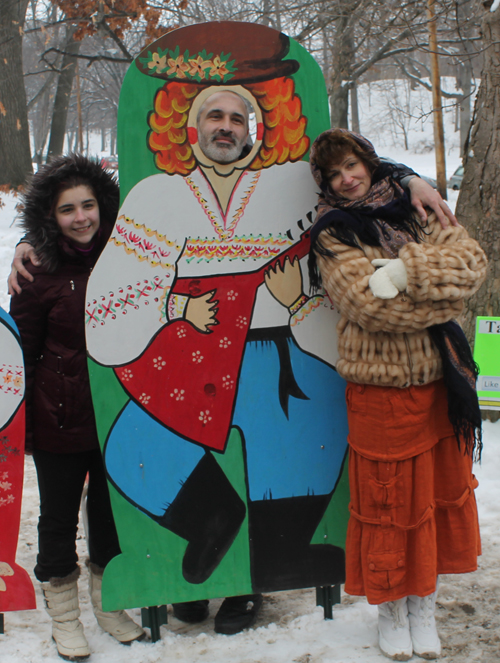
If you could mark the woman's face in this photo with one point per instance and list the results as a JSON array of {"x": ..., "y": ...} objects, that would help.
[
  {"x": 77, "y": 214},
  {"x": 351, "y": 178}
]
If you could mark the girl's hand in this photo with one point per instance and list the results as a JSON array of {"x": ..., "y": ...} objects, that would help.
[
  {"x": 201, "y": 312},
  {"x": 285, "y": 283}
]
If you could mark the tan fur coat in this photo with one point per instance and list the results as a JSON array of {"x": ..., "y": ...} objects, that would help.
[{"x": 385, "y": 342}]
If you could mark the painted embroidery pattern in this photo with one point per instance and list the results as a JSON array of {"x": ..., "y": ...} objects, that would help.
[
  {"x": 6, "y": 497},
  {"x": 11, "y": 379},
  {"x": 125, "y": 298},
  {"x": 178, "y": 394},
  {"x": 224, "y": 234},
  {"x": 6, "y": 449},
  {"x": 296, "y": 306},
  {"x": 144, "y": 243},
  {"x": 239, "y": 248},
  {"x": 176, "y": 306},
  {"x": 205, "y": 417},
  {"x": 306, "y": 310}
]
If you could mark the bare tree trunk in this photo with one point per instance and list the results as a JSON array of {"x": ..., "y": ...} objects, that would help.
[
  {"x": 339, "y": 105},
  {"x": 277, "y": 13},
  {"x": 266, "y": 12},
  {"x": 355, "y": 109},
  {"x": 478, "y": 207},
  {"x": 15, "y": 154},
  {"x": 61, "y": 103}
]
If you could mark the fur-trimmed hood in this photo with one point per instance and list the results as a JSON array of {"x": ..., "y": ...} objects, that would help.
[{"x": 37, "y": 217}]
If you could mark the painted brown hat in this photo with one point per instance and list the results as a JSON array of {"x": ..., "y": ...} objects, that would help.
[{"x": 218, "y": 53}]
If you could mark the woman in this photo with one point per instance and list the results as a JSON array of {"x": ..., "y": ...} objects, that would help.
[
  {"x": 414, "y": 420},
  {"x": 69, "y": 210}
]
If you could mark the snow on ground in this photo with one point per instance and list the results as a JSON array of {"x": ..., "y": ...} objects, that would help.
[{"x": 290, "y": 628}]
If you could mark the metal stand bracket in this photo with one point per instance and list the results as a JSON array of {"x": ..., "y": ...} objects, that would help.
[
  {"x": 327, "y": 597},
  {"x": 152, "y": 618}
]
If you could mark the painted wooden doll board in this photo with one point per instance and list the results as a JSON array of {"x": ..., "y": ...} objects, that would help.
[
  {"x": 16, "y": 588},
  {"x": 224, "y": 445}
]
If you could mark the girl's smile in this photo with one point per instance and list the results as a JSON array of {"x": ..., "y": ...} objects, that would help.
[{"x": 77, "y": 214}]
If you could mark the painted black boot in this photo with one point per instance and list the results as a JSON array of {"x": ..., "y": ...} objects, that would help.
[
  {"x": 282, "y": 556},
  {"x": 208, "y": 513}
]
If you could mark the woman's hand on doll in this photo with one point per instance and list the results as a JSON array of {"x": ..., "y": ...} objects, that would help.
[
  {"x": 390, "y": 279},
  {"x": 285, "y": 283},
  {"x": 201, "y": 312},
  {"x": 423, "y": 195},
  {"x": 24, "y": 252}
]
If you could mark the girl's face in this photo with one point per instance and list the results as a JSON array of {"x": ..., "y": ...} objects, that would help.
[
  {"x": 351, "y": 178},
  {"x": 77, "y": 215}
]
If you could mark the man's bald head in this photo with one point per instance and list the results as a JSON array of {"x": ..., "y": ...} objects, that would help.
[{"x": 223, "y": 126}]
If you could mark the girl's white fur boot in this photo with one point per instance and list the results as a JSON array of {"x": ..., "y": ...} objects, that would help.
[
  {"x": 117, "y": 623},
  {"x": 61, "y": 602}
]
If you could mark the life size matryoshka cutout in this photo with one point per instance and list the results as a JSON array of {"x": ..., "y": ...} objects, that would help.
[
  {"x": 222, "y": 421},
  {"x": 16, "y": 588}
]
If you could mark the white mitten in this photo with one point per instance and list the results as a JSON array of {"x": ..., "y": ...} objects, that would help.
[{"x": 390, "y": 279}]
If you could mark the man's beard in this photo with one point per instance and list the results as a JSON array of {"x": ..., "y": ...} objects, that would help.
[{"x": 226, "y": 153}]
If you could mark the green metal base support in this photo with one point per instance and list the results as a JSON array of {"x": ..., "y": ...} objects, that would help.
[
  {"x": 152, "y": 618},
  {"x": 1, "y": 624},
  {"x": 327, "y": 597}
]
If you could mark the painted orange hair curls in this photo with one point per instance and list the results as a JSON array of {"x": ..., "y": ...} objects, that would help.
[
  {"x": 168, "y": 122},
  {"x": 284, "y": 125}
]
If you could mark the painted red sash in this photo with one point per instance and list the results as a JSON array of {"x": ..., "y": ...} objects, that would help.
[{"x": 187, "y": 379}]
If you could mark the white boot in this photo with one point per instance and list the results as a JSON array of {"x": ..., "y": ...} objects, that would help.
[
  {"x": 61, "y": 602},
  {"x": 116, "y": 623},
  {"x": 423, "y": 629},
  {"x": 394, "y": 630}
]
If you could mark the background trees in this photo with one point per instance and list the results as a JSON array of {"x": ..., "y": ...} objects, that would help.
[
  {"x": 478, "y": 206},
  {"x": 75, "y": 56},
  {"x": 15, "y": 159}
]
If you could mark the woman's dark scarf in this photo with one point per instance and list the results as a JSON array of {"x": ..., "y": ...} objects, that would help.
[{"x": 384, "y": 217}]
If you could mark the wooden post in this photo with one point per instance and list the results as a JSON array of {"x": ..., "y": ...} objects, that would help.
[
  {"x": 79, "y": 110},
  {"x": 436, "y": 102}
]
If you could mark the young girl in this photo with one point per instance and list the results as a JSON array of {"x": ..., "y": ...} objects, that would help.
[
  {"x": 69, "y": 210},
  {"x": 414, "y": 420}
]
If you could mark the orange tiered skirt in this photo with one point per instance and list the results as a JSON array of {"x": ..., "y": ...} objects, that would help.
[{"x": 413, "y": 509}]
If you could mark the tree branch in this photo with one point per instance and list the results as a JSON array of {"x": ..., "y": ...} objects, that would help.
[{"x": 81, "y": 56}]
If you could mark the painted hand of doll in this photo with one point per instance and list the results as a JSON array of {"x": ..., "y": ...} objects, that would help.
[
  {"x": 285, "y": 283},
  {"x": 201, "y": 312},
  {"x": 390, "y": 279}
]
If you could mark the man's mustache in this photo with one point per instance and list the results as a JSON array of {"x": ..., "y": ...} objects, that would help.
[{"x": 227, "y": 135}]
